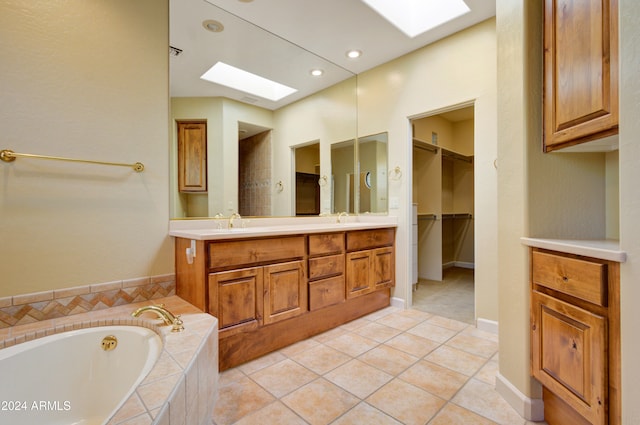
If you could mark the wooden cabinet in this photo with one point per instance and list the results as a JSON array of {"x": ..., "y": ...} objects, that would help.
[
  {"x": 575, "y": 337},
  {"x": 370, "y": 265},
  {"x": 269, "y": 292},
  {"x": 192, "y": 156},
  {"x": 326, "y": 270},
  {"x": 580, "y": 71}
]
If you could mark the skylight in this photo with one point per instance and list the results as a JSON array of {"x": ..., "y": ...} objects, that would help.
[
  {"x": 239, "y": 79},
  {"x": 413, "y": 17}
]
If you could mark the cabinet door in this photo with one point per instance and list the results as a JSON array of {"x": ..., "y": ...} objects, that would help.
[
  {"x": 358, "y": 280},
  {"x": 383, "y": 268},
  {"x": 580, "y": 71},
  {"x": 568, "y": 346},
  {"x": 235, "y": 298},
  {"x": 285, "y": 291},
  {"x": 192, "y": 156}
]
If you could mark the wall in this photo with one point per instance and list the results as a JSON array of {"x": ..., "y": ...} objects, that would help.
[{"x": 85, "y": 80}]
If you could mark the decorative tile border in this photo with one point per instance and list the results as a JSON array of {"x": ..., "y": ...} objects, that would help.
[{"x": 30, "y": 308}]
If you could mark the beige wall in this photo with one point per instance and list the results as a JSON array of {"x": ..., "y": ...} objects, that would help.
[{"x": 85, "y": 80}]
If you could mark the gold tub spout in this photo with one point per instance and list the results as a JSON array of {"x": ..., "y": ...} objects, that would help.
[{"x": 163, "y": 314}]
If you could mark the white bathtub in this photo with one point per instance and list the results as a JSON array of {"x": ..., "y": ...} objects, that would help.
[{"x": 68, "y": 378}]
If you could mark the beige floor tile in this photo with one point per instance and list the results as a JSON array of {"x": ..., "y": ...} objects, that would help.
[
  {"x": 229, "y": 376},
  {"x": 352, "y": 344},
  {"x": 299, "y": 347},
  {"x": 474, "y": 345},
  {"x": 457, "y": 360},
  {"x": 484, "y": 400},
  {"x": 320, "y": 402},
  {"x": 376, "y": 315},
  {"x": 378, "y": 332},
  {"x": 329, "y": 335},
  {"x": 283, "y": 377},
  {"x": 355, "y": 324},
  {"x": 388, "y": 359},
  {"x": 455, "y": 415},
  {"x": 398, "y": 321},
  {"x": 454, "y": 325},
  {"x": 274, "y": 414},
  {"x": 321, "y": 359},
  {"x": 238, "y": 399},
  {"x": 438, "y": 380},
  {"x": 413, "y": 344},
  {"x": 415, "y": 314},
  {"x": 432, "y": 332},
  {"x": 478, "y": 333},
  {"x": 358, "y": 378},
  {"x": 261, "y": 362},
  {"x": 365, "y": 414},
  {"x": 406, "y": 403},
  {"x": 488, "y": 373}
]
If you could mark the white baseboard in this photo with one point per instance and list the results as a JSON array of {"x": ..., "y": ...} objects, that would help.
[
  {"x": 487, "y": 325},
  {"x": 532, "y": 409},
  {"x": 397, "y": 302},
  {"x": 464, "y": 265}
]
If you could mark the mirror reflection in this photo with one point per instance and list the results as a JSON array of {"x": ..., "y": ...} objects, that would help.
[
  {"x": 372, "y": 158},
  {"x": 342, "y": 171}
]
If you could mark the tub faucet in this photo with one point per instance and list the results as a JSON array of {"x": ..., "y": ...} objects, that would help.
[
  {"x": 342, "y": 214},
  {"x": 167, "y": 317},
  {"x": 234, "y": 215}
]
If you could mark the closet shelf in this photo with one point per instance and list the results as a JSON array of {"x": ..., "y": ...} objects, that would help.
[
  {"x": 467, "y": 216},
  {"x": 424, "y": 145},
  {"x": 427, "y": 217}
]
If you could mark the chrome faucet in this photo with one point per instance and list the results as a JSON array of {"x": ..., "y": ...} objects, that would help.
[
  {"x": 234, "y": 215},
  {"x": 162, "y": 313},
  {"x": 342, "y": 214}
]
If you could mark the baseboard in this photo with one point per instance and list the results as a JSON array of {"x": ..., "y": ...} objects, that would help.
[
  {"x": 532, "y": 409},
  {"x": 464, "y": 265},
  {"x": 397, "y": 302},
  {"x": 487, "y": 325}
]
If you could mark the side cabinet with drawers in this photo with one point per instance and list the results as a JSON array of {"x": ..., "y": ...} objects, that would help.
[
  {"x": 575, "y": 337},
  {"x": 269, "y": 292}
]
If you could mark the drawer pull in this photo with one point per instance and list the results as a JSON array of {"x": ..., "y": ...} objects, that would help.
[{"x": 565, "y": 279}]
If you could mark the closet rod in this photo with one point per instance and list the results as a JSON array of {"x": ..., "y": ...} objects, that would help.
[{"x": 422, "y": 145}]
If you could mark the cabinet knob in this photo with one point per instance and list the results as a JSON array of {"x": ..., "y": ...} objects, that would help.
[{"x": 565, "y": 279}]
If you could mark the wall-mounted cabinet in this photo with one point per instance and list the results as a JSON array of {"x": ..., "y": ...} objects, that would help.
[
  {"x": 580, "y": 71},
  {"x": 192, "y": 156}
]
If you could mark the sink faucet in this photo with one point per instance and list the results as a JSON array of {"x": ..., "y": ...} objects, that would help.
[
  {"x": 162, "y": 313},
  {"x": 234, "y": 215},
  {"x": 342, "y": 214}
]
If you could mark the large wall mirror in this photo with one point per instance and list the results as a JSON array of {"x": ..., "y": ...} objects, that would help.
[{"x": 239, "y": 159}]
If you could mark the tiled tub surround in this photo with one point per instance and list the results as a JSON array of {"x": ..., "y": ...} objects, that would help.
[
  {"x": 29, "y": 308},
  {"x": 181, "y": 387}
]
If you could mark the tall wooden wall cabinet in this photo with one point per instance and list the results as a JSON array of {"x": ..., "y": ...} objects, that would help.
[
  {"x": 580, "y": 71},
  {"x": 192, "y": 156}
]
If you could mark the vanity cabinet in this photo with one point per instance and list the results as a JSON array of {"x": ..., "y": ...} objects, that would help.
[
  {"x": 271, "y": 291},
  {"x": 192, "y": 156},
  {"x": 580, "y": 71},
  {"x": 370, "y": 261},
  {"x": 575, "y": 337}
]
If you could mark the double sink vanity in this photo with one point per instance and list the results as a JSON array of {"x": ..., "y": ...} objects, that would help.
[{"x": 278, "y": 281}]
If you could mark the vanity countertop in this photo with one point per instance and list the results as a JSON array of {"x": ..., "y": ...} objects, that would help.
[
  {"x": 604, "y": 249},
  {"x": 208, "y": 229}
]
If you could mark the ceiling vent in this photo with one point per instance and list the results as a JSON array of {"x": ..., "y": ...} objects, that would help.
[{"x": 174, "y": 51}]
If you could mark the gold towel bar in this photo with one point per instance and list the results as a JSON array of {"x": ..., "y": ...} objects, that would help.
[{"x": 8, "y": 155}]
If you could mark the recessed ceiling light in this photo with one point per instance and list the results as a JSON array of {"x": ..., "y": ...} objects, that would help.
[
  {"x": 316, "y": 72},
  {"x": 212, "y": 25},
  {"x": 353, "y": 54},
  {"x": 413, "y": 17},
  {"x": 245, "y": 81}
]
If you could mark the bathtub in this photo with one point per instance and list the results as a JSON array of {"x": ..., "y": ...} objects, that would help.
[{"x": 69, "y": 378}]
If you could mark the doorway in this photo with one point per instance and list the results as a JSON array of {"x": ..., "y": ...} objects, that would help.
[
  {"x": 307, "y": 169},
  {"x": 254, "y": 170},
  {"x": 443, "y": 211}
]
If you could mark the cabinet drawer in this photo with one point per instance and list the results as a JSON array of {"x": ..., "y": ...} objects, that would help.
[
  {"x": 255, "y": 251},
  {"x": 582, "y": 279},
  {"x": 327, "y": 243},
  {"x": 366, "y": 239},
  {"x": 330, "y": 265},
  {"x": 326, "y": 292}
]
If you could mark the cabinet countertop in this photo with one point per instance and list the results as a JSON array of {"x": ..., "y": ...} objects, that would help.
[{"x": 604, "y": 249}]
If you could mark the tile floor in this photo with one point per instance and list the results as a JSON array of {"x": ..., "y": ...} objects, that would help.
[
  {"x": 452, "y": 298},
  {"x": 391, "y": 367}
]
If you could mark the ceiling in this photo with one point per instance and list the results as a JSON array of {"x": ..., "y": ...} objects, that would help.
[{"x": 284, "y": 39}]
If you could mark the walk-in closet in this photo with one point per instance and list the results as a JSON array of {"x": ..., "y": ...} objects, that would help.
[{"x": 443, "y": 206}]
